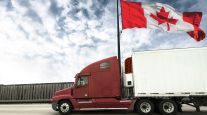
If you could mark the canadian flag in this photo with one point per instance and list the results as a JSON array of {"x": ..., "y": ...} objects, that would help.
[{"x": 160, "y": 16}]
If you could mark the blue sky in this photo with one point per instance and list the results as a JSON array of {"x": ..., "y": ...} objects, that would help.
[{"x": 52, "y": 40}]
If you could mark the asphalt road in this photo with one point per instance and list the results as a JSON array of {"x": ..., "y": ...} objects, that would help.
[{"x": 45, "y": 109}]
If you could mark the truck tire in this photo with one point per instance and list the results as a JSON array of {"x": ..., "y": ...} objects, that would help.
[
  {"x": 144, "y": 107},
  {"x": 179, "y": 107},
  {"x": 168, "y": 107},
  {"x": 64, "y": 107}
]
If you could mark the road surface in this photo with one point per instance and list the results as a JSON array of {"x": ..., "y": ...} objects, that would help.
[{"x": 45, "y": 109}]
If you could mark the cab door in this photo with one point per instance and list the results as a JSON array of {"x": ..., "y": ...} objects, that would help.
[
  {"x": 81, "y": 92},
  {"x": 82, "y": 88}
]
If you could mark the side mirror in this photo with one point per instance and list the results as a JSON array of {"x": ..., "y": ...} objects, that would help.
[
  {"x": 75, "y": 85},
  {"x": 77, "y": 75},
  {"x": 76, "y": 80}
]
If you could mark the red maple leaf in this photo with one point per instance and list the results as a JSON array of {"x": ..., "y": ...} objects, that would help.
[{"x": 162, "y": 17}]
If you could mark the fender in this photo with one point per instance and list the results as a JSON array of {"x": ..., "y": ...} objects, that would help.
[{"x": 64, "y": 94}]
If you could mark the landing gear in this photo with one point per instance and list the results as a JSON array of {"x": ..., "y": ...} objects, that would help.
[{"x": 196, "y": 104}]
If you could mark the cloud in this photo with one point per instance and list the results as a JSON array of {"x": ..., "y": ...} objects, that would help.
[{"x": 51, "y": 41}]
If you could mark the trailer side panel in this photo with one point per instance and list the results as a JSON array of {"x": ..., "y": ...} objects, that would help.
[{"x": 178, "y": 72}]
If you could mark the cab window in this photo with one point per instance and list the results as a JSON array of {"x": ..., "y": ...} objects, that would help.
[
  {"x": 105, "y": 65},
  {"x": 83, "y": 80}
]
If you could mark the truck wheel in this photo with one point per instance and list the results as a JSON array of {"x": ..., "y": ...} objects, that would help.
[
  {"x": 144, "y": 107},
  {"x": 65, "y": 107},
  {"x": 168, "y": 107},
  {"x": 179, "y": 107}
]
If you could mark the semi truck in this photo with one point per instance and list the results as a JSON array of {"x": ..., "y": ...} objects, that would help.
[{"x": 152, "y": 81}]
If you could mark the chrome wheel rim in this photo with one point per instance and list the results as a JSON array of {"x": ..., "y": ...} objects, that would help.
[
  {"x": 145, "y": 107},
  {"x": 168, "y": 107},
  {"x": 64, "y": 107}
]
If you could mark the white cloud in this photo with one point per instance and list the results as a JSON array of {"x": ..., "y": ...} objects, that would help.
[{"x": 43, "y": 47}]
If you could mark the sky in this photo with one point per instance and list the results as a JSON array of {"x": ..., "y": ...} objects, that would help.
[{"x": 44, "y": 41}]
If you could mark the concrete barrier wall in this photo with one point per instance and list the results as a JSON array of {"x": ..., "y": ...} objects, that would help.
[{"x": 30, "y": 93}]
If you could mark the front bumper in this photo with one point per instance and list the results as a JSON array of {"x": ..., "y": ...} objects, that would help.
[{"x": 55, "y": 106}]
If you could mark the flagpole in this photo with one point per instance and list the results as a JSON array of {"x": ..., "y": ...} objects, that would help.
[{"x": 118, "y": 46}]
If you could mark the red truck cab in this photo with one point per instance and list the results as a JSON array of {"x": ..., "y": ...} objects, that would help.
[{"x": 97, "y": 86}]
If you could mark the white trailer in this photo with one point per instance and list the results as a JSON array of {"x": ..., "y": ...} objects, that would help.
[{"x": 164, "y": 80}]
